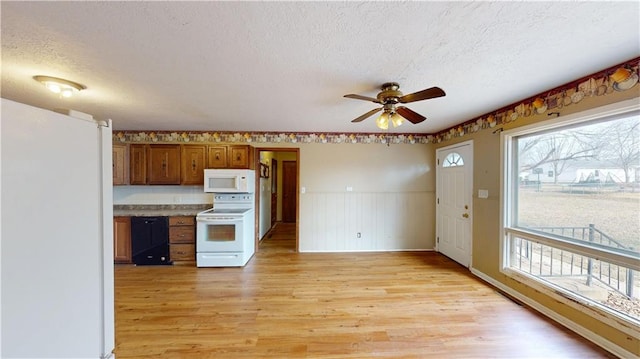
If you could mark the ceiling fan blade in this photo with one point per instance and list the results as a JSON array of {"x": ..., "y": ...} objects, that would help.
[
  {"x": 366, "y": 115},
  {"x": 410, "y": 115},
  {"x": 360, "y": 97},
  {"x": 422, "y": 95}
]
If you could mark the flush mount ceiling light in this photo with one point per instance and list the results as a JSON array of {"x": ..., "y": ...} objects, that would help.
[{"x": 63, "y": 87}]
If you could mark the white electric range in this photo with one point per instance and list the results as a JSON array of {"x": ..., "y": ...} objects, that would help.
[{"x": 225, "y": 233}]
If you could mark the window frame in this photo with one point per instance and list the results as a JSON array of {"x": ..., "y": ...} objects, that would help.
[
  {"x": 508, "y": 194},
  {"x": 446, "y": 162}
]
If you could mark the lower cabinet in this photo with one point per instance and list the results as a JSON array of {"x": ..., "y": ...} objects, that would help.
[
  {"x": 148, "y": 233},
  {"x": 182, "y": 239},
  {"x": 122, "y": 239}
]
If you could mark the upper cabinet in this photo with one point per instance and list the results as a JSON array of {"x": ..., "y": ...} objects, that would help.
[
  {"x": 163, "y": 165},
  {"x": 138, "y": 164},
  {"x": 167, "y": 164},
  {"x": 230, "y": 156},
  {"x": 240, "y": 156},
  {"x": 217, "y": 157},
  {"x": 154, "y": 164},
  {"x": 120, "y": 164},
  {"x": 193, "y": 164}
]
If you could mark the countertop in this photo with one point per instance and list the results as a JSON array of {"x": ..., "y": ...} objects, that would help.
[{"x": 158, "y": 210}]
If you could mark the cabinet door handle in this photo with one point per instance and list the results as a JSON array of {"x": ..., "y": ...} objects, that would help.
[{"x": 193, "y": 164}]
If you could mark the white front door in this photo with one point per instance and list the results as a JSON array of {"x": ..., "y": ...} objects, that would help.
[{"x": 454, "y": 186}]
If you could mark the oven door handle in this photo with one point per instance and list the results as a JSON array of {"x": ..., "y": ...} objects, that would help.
[{"x": 219, "y": 219}]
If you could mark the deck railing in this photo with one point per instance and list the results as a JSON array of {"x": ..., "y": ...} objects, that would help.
[{"x": 546, "y": 261}]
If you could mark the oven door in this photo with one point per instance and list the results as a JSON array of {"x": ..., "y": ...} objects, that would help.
[{"x": 219, "y": 234}]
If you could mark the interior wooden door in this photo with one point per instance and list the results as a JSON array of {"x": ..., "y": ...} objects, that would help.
[
  {"x": 289, "y": 190},
  {"x": 274, "y": 192}
]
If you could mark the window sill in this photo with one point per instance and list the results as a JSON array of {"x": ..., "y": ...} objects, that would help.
[{"x": 607, "y": 316}]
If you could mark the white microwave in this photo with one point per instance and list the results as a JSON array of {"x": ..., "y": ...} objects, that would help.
[{"x": 229, "y": 181}]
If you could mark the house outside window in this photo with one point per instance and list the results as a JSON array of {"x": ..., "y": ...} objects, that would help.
[{"x": 571, "y": 218}]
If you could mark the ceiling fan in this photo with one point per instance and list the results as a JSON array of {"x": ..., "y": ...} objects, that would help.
[{"x": 389, "y": 97}]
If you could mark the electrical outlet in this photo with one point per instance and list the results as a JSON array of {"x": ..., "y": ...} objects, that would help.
[{"x": 359, "y": 235}]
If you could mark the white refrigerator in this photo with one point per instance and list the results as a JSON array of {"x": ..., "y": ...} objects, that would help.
[{"x": 57, "y": 298}]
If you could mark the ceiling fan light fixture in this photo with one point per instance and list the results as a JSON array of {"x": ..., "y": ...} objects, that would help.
[
  {"x": 383, "y": 121},
  {"x": 396, "y": 119},
  {"x": 64, "y": 88},
  {"x": 389, "y": 97}
]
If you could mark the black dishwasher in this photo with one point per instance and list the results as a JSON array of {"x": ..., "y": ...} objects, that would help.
[{"x": 150, "y": 240}]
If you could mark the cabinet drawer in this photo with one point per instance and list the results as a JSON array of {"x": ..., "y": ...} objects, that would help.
[
  {"x": 183, "y": 252},
  {"x": 182, "y": 221},
  {"x": 182, "y": 234}
]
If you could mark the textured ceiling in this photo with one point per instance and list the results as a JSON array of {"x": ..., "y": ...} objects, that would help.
[{"x": 284, "y": 66}]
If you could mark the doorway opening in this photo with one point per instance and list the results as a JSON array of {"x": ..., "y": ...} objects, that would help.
[{"x": 277, "y": 200}]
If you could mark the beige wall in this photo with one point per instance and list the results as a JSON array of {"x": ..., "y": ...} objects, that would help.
[
  {"x": 390, "y": 205},
  {"x": 367, "y": 167},
  {"x": 486, "y": 219}
]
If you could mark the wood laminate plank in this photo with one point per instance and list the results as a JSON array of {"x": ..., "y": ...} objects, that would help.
[{"x": 344, "y": 305}]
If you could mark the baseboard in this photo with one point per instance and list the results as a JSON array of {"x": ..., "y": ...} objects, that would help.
[
  {"x": 366, "y": 250},
  {"x": 580, "y": 330}
]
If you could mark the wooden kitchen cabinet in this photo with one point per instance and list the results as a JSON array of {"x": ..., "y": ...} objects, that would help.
[
  {"x": 122, "y": 239},
  {"x": 138, "y": 164},
  {"x": 193, "y": 164},
  {"x": 230, "y": 156},
  {"x": 167, "y": 164},
  {"x": 182, "y": 239},
  {"x": 240, "y": 156},
  {"x": 120, "y": 164},
  {"x": 217, "y": 157},
  {"x": 163, "y": 164}
]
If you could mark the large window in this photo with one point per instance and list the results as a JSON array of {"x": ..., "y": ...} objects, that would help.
[{"x": 572, "y": 209}]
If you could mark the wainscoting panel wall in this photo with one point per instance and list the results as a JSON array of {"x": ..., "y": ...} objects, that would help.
[{"x": 366, "y": 221}]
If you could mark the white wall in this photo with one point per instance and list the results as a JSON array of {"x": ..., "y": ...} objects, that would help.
[
  {"x": 160, "y": 195},
  {"x": 264, "y": 191}
]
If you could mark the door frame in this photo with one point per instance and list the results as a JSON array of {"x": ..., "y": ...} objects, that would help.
[
  {"x": 256, "y": 157},
  {"x": 469, "y": 173},
  {"x": 274, "y": 191}
]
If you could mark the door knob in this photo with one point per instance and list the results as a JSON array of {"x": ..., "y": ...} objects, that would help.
[{"x": 465, "y": 215}]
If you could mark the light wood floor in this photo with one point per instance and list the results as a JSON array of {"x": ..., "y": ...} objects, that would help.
[{"x": 354, "y": 305}]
